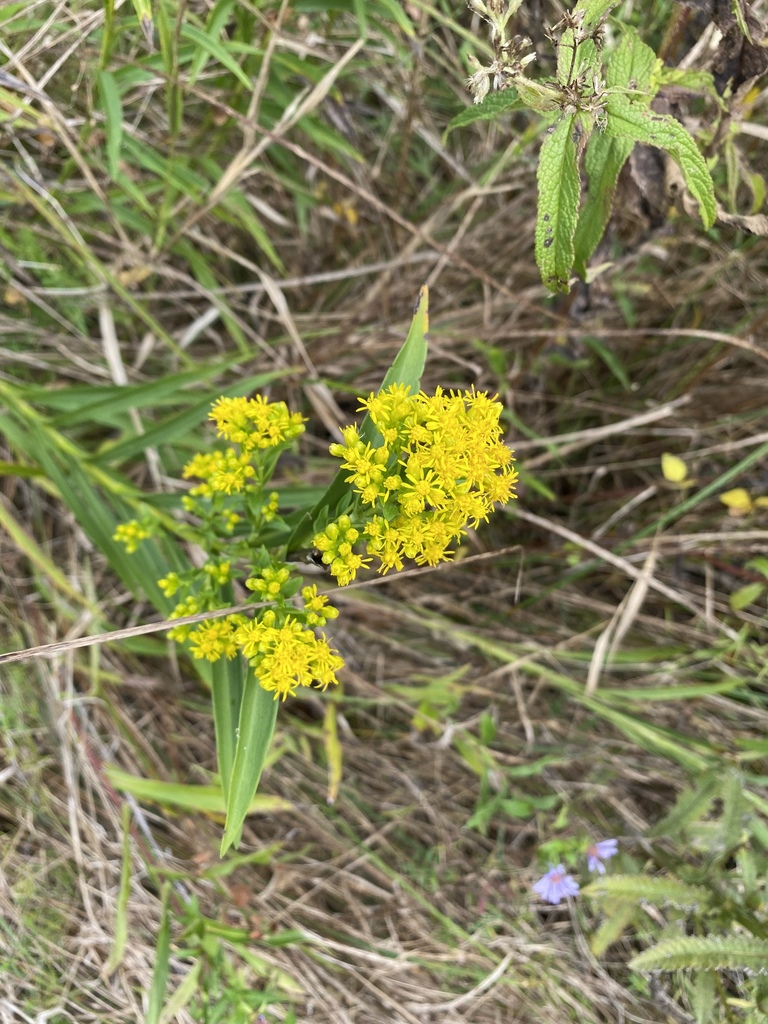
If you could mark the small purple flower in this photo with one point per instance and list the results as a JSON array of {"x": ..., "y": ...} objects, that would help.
[
  {"x": 556, "y": 885},
  {"x": 598, "y": 852}
]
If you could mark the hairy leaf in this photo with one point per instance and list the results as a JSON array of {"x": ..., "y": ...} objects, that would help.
[
  {"x": 657, "y": 891},
  {"x": 734, "y": 812},
  {"x": 702, "y": 997},
  {"x": 687, "y": 78},
  {"x": 558, "y": 179},
  {"x": 629, "y": 121},
  {"x": 690, "y": 806},
  {"x": 631, "y": 66},
  {"x": 493, "y": 106},
  {"x": 705, "y": 953},
  {"x": 594, "y": 11},
  {"x": 603, "y": 162}
]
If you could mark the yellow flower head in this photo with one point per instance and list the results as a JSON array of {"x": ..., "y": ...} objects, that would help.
[
  {"x": 131, "y": 534},
  {"x": 287, "y": 656},
  {"x": 441, "y": 468},
  {"x": 255, "y": 422}
]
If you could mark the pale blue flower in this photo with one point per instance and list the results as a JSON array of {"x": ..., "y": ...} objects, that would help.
[
  {"x": 556, "y": 885},
  {"x": 598, "y": 852}
]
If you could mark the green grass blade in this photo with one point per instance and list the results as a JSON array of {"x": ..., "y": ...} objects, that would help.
[
  {"x": 162, "y": 962},
  {"x": 180, "y": 424},
  {"x": 113, "y": 119},
  {"x": 215, "y": 49},
  {"x": 121, "y": 907}
]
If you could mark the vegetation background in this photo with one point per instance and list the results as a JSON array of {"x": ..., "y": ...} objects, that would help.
[{"x": 201, "y": 198}]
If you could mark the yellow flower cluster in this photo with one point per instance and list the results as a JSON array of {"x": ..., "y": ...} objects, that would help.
[
  {"x": 131, "y": 534},
  {"x": 215, "y": 638},
  {"x": 287, "y": 656},
  {"x": 255, "y": 422},
  {"x": 441, "y": 467},
  {"x": 221, "y": 472}
]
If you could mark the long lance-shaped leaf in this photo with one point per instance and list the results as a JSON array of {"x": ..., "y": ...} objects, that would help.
[
  {"x": 629, "y": 121},
  {"x": 258, "y": 712},
  {"x": 603, "y": 162},
  {"x": 657, "y": 891},
  {"x": 227, "y": 678},
  {"x": 705, "y": 953},
  {"x": 558, "y": 179},
  {"x": 407, "y": 368}
]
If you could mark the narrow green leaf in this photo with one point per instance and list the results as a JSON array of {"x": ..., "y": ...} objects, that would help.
[
  {"x": 702, "y": 997},
  {"x": 107, "y": 34},
  {"x": 215, "y": 22},
  {"x": 610, "y": 359},
  {"x": 493, "y": 106},
  {"x": 180, "y": 424},
  {"x": 258, "y": 713},
  {"x": 690, "y": 806},
  {"x": 745, "y": 596},
  {"x": 244, "y": 215},
  {"x": 216, "y": 49},
  {"x": 732, "y": 819},
  {"x": 558, "y": 179},
  {"x": 630, "y": 121},
  {"x": 760, "y": 564},
  {"x": 227, "y": 680},
  {"x": 409, "y": 362},
  {"x": 205, "y": 799},
  {"x": 603, "y": 161},
  {"x": 185, "y": 992},
  {"x": 113, "y": 119},
  {"x": 162, "y": 962},
  {"x": 121, "y": 905},
  {"x": 615, "y": 922},
  {"x": 362, "y": 19}
]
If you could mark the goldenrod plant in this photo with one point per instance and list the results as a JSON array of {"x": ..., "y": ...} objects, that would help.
[{"x": 416, "y": 474}]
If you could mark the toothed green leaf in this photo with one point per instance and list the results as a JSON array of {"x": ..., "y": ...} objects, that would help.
[
  {"x": 705, "y": 953},
  {"x": 658, "y": 891},
  {"x": 493, "y": 106},
  {"x": 603, "y": 162},
  {"x": 629, "y": 121},
  {"x": 631, "y": 66},
  {"x": 594, "y": 11},
  {"x": 558, "y": 179}
]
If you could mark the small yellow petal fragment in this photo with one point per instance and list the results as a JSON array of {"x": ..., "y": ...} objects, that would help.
[
  {"x": 673, "y": 468},
  {"x": 737, "y": 501}
]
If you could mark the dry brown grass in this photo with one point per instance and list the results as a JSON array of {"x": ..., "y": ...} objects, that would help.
[{"x": 405, "y": 914}]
